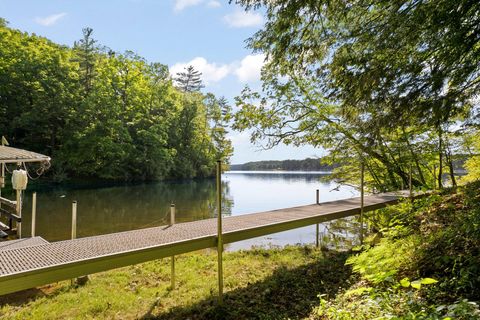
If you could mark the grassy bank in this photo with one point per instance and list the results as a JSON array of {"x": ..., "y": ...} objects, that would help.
[
  {"x": 421, "y": 261},
  {"x": 268, "y": 284}
]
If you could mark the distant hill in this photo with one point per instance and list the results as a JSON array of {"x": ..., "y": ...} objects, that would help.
[{"x": 308, "y": 164}]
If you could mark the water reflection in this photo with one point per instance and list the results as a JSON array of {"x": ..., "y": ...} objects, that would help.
[
  {"x": 108, "y": 209},
  {"x": 121, "y": 208}
]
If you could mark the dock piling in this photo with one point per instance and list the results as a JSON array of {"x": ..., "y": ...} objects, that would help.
[
  {"x": 18, "y": 210},
  {"x": 172, "y": 263},
  {"x": 74, "y": 219},
  {"x": 219, "y": 233},
  {"x": 34, "y": 213}
]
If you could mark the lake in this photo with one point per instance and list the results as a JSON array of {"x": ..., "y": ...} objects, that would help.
[{"x": 117, "y": 208}]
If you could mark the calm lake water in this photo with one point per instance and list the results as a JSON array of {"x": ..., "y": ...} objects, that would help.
[{"x": 104, "y": 210}]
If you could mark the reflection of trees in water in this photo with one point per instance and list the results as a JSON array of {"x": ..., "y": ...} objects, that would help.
[
  {"x": 119, "y": 208},
  {"x": 288, "y": 177},
  {"x": 340, "y": 234}
]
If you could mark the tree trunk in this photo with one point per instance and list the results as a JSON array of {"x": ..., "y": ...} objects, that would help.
[{"x": 440, "y": 157}]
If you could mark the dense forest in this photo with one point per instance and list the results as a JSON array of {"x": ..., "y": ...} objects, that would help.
[
  {"x": 108, "y": 115},
  {"x": 393, "y": 85},
  {"x": 308, "y": 164}
]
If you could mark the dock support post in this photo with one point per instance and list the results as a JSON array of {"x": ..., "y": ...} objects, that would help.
[
  {"x": 18, "y": 209},
  {"x": 2, "y": 172},
  {"x": 83, "y": 279},
  {"x": 172, "y": 263},
  {"x": 362, "y": 195},
  {"x": 34, "y": 213},
  {"x": 317, "y": 226},
  {"x": 219, "y": 233},
  {"x": 74, "y": 219}
]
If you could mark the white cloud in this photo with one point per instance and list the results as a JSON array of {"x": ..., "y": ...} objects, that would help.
[
  {"x": 50, "y": 20},
  {"x": 247, "y": 70},
  {"x": 182, "y": 4},
  {"x": 213, "y": 4},
  {"x": 250, "y": 67},
  {"x": 242, "y": 19},
  {"x": 211, "y": 72}
]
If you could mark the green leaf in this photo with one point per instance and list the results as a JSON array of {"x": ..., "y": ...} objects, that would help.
[
  {"x": 405, "y": 282},
  {"x": 417, "y": 284},
  {"x": 428, "y": 281}
]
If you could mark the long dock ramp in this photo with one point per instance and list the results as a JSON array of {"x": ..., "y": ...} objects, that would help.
[{"x": 36, "y": 262}]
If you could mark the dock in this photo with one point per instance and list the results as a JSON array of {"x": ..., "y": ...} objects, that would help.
[{"x": 28, "y": 263}]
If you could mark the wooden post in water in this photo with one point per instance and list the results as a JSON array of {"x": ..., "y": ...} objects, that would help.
[
  {"x": 2, "y": 171},
  {"x": 74, "y": 219},
  {"x": 34, "y": 213},
  {"x": 362, "y": 195},
  {"x": 219, "y": 233},
  {"x": 18, "y": 210},
  {"x": 317, "y": 244},
  {"x": 172, "y": 222}
]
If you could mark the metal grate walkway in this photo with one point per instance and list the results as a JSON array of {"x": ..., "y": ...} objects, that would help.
[{"x": 41, "y": 263}]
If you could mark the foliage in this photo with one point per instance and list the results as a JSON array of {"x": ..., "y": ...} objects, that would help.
[
  {"x": 102, "y": 114},
  {"x": 308, "y": 164},
  {"x": 390, "y": 84},
  {"x": 425, "y": 267},
  {"x": 389, "y": 256},
  {"x": 472, "y": 165},
  {"x": 190, "y": 80}
]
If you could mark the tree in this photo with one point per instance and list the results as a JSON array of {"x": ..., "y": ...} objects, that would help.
[
  {"x": 373, "y": 79},
  {"x": 190, "y": 80},
  {"x": 102, "y": 114},
  {"x": 86, "y": 53}
]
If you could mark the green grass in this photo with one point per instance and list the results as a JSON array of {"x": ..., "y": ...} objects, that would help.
[{"x": 259, "y": 284}]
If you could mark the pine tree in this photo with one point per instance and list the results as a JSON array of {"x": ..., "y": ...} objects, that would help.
[
  {"x": 86, "y": 50},
  {"x": 190, "y": 80}
]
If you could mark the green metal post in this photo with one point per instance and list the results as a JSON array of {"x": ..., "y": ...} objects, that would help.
[
  {"x": 219, "y": 232},
  {"x": 362, "y": 195},
  {"x": 172, "y": 222}
]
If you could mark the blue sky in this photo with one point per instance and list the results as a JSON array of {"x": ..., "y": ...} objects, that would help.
[{"x": 209, "y": 34}]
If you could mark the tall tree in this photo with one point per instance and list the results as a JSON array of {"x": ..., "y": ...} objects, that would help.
[
  {"x": 86, "y": 52},
  {"x": 190, "y": 80},
  {"x": 356, "y": 76}
]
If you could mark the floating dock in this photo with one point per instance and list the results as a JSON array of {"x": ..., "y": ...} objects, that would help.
[{"x": 28, "y": 263}]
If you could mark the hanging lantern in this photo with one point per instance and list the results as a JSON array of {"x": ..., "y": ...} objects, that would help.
[{"x": 19, "y": 179}]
